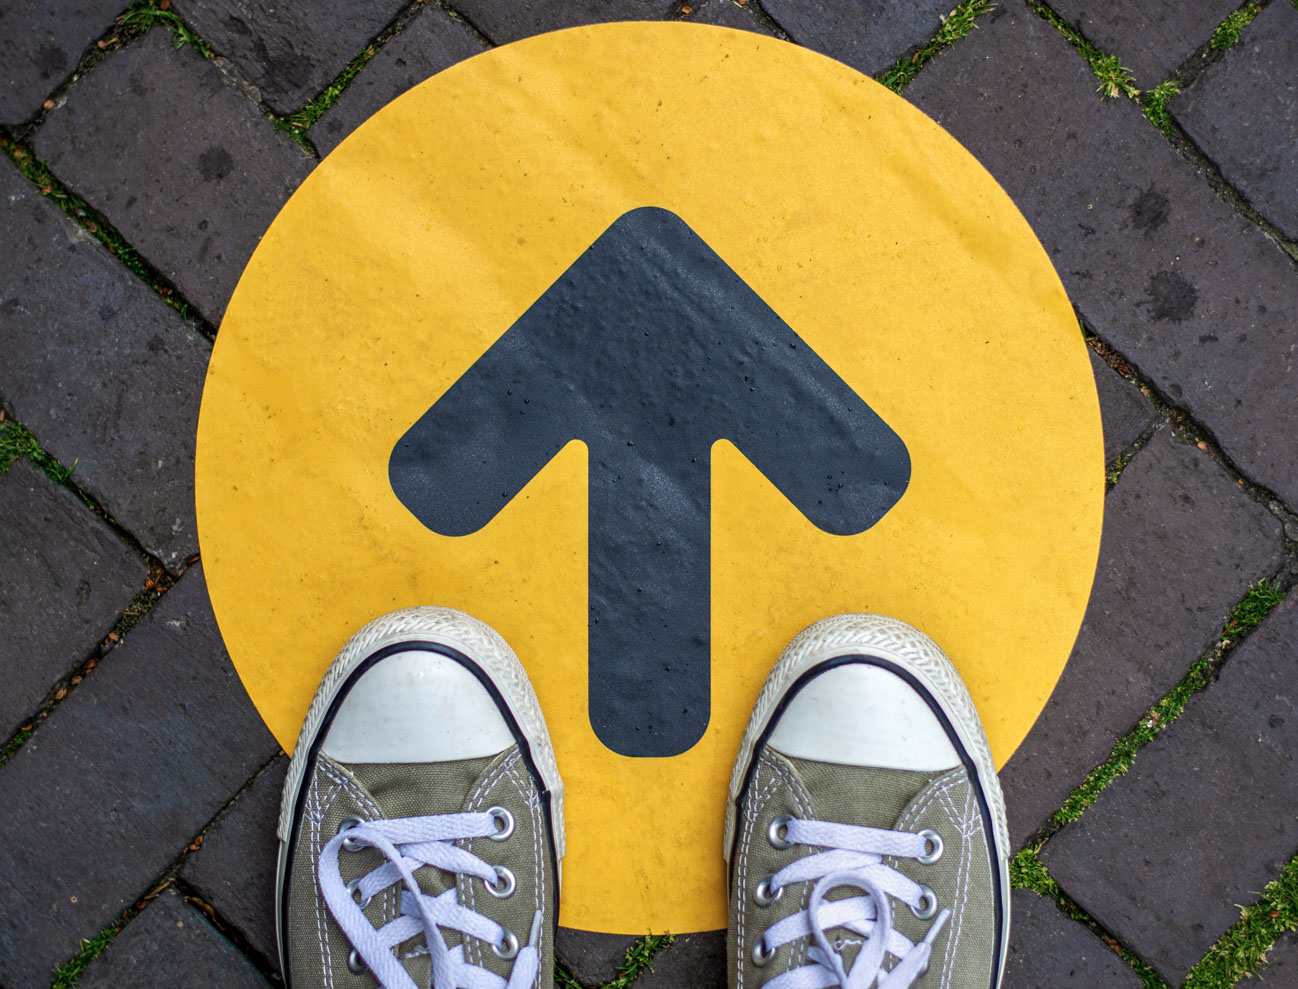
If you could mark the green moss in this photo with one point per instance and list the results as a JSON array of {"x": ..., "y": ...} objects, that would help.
[
  {"x": 1116, "y": 470},
  {"x": 1154, "y": 103},
  {"x": 143, "y": 15},
  {"x": 1115, "y": 78},
  {"x": 16, "y": 441},
  {"x": 1244, "y": 946},
  {"x": 81, "y": 214},
  {"x": 1246, "y": 615},
  {"x": 954, "y": 27},
  {"x": 1229, "y": 30},
  {"x": 67, "y": 974},
  {"x": 295, "y": 124}
]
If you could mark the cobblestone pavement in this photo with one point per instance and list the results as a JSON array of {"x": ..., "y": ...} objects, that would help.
[{"x": 146, "y": 150}]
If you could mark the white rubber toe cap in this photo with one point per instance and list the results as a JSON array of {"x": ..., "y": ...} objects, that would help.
[
  {"x": 861, "y": 715},
  {"x": 416, "y": 706}
]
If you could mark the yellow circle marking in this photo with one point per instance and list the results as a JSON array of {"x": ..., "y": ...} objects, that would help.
[{"x": 868, "y": 229}]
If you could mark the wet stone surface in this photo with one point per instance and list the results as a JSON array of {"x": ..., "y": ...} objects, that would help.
[
  {"x": 1150, "y": 37},
  {"x": 1243, "y": 113},
  {"x": 1173, "y": 511},
  {"x": 177, "y": 158},
  {"x": 40, "y": 45},
  {"x": 1217, "y": 787},
  {"x": 118, "y": 781},
  {"x": 289, "y": 49},
  {"x": 431, "y": 42},
  {"x": 171, "y": 944},
  {"x": 67, "y": 578},
  {"x": 1049, "y": 950},
  {"x": 104, "y": 374},
  {"x": 1192, "y": 293},
  {"x": 234, "y": 869}
]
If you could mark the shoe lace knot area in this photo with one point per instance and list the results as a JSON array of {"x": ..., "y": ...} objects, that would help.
[
  {"x": 408, "y": 844},
  {"x": 851, "y": 858}
]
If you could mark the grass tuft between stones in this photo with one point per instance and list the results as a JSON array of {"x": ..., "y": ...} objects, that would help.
[
  {"x": 1244, "y": 946},
  {"x": 1154, "y": 103},
  {"x": 67, "y": 975},
  {"x": 1229, "y": 30},
  {"x": 16, "y": 442},
  {"x": 1114, "y": 77},
  {"x": 636, "y": 961},
  {"x": 143, "y": 15},
  {"x": 955, "y": 26},
  {"x": 1244, "y": 617},
  {"x": 81, "y": 213},
  {"x": 296, "y": 123}
]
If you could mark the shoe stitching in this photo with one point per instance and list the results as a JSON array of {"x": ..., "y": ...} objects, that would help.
[
  {"x": 741, "y": 874},
  {"x": 807, "y": 809},
  {"x": 322, "y": 931},
  {"x": 468, "y": 892},
  {"x": 534, "y": 807},
  {"x": 961, "y": 819},
  {"x": 391, "y": 903}
]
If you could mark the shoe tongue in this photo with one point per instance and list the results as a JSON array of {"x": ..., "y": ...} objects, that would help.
[{"x": 418, "y": 790}]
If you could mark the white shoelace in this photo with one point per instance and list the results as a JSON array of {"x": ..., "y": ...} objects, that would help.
[
  {"x": 408, "y": 844},
  {"x": 853, "y": 857}
]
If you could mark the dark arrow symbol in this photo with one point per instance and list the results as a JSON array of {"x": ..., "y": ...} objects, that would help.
[{"x": 649, "y": 348}]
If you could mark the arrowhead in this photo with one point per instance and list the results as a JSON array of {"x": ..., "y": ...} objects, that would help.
[{"x": 649, "y": 348}]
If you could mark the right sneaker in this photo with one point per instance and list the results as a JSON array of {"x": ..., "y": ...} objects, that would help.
[
  {"x": 422, "y": 823},
  {"x": 865, "y": 830}
]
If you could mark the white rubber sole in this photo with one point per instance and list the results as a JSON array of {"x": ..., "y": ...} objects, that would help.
[
  {"x": 463, "y": 633},
  {"x": 912, "y": 650}
]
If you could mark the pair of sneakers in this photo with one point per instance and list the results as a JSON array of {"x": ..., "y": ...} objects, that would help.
[{"x": 422, "y": 824}]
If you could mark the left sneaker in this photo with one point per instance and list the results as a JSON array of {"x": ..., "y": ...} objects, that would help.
[
  {"x": 422, "y": 823},
  {"x": 865, "y": 830}
]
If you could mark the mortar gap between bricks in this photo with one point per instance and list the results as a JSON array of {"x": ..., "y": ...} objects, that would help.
[
  {"x": 1244, "y": 616},
  {"x": 66, "y": 975},
  {"x": 1184, "y": 424},
  {"x": 158, "y": 582},
  {"x": 298, "y": 123},
  {"x": 448, "y": 7},
  {"x": 16, "y": 440},
  {"x": 226, "y": 929},
  {"x": 1241, "y": 950},
  {"x": 757, "y": 10},
  {"x": 962, "y": 19},
  {"x": 637, "y": 960},
  {"x": 94, "y": 223},
  {"x": 1115, "y": 78},
  {"x": 1027, "y": 871}
]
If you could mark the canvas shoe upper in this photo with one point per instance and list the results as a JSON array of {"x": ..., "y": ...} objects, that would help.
[
  {"x": 422, "y": 823},
  {"x": 865, "y": 831}
]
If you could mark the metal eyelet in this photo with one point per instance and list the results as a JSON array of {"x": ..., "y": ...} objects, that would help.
[
  {"x": 764, "y": 895},
  {"x": 761, "y": 957},
  {"x": 505, "y": 823},
  {"x": 353, "y": 887},
  {"x": 350, "y": 844},
  {"x": 354, "y": 963},
  {"x": 777, "y": 825},
  {"x": 504, "y": 886},
  {"x": 927, "y": 908},
  {"x": 509, "y": 946},
  {"x": 934, "y": 841}
]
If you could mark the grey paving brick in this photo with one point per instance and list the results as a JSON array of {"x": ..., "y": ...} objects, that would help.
[
  {"x": 104, "y": 374},
  {"x": 1049, "y": 950},
  {"x": 188, "y": 169},
  {"x": 592, "y": 959},
  {"x": 868, "y": 35},
  {"x": 727, "y": 13},
  {"x": 289, "y": 49},
  {"x": 234, "y": 869},
  {"x": 1125, "y": 411},
  {"x": 692, "y": 961},
  {"x": 1243, "y": 113},
  {"x": 1151, "y": 37},
  {"x": 1181, "y": 543},
  {"x": 509, "y": 20},
  {"x": 119, "y": 779},
  {"x": 430, "y": 43},
  {"x": 67, "y": 579},
  {"x": 1204, "y": 819},
  {"x": 171, "y": 945},
  {"x": 1281, "y": 968},
  {"x": 40, "y": 45},
  {"x": 1194, "y": 295}
]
